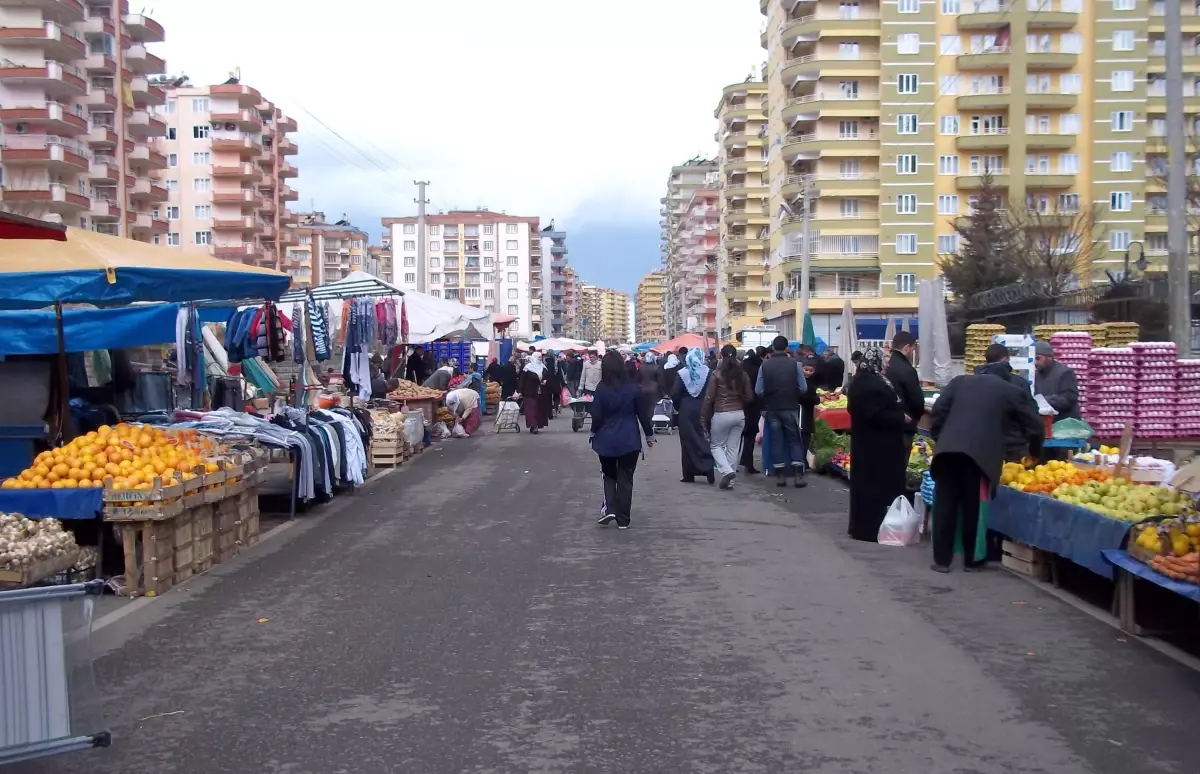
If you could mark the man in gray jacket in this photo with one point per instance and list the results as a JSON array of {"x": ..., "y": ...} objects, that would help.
[
  {"x": 590, "y": 378},
  {"x": 1055, "y": 382}
]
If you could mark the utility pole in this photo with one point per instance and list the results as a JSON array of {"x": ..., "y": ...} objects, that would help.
[
  {"x": 422, "y": 245},
  {"x": 1179, "y": 293},
  {"x": 804, "y": 256},
  {"x": 123, "y": 90}
]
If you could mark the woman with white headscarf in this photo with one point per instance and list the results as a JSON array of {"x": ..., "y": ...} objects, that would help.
[
  {"x": 688, "y": 393},
  {"x": 533, "y": 379}
]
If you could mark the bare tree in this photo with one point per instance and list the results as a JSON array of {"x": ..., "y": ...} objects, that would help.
[
  {"x": 1053, "y": 247},
  {"x": 1157, "y": 168}
]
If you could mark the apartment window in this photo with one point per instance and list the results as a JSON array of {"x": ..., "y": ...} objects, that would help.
[
  {"x": 173, "y": 239},
  {"x": 1122, "y": 161},
  {"x": 1068, "y": 203},
  {"x": 201, "y": 184},
  {"x": 1069, "y": 123},
  {"x": 848, "y": 89},
  {"x": 1120, "y": 201},
  {"x": 172, "y": 159},
  {"x": 489, "y": 246},
  {"x": 172, "y": 134},
  {"x": 172, "y": 213},
  {"x": 906, "y": 123},
  {"x": 906, "y": 283},
  {"x": 512, "y": 309},
  {"x": 1071, "y": 43},
  {"x": 434, "y": 229},
  {"x": 435, "y": 263},
  {"x": 202, "y": 157},
  {"x": 950, "y": 45},
  {"x": 948, "y": 84},
  {"x": 489, "y": 277},
  {"x": 203, "y": 237},
  {"x": 906, "y": 244},
  {"x": 410, "y": 228},
  {"x": 1124, "y": 5},
  {"x": 435, "y": 246},
  {"x": 906, "y": 204},
  {"x": 511, "y": 244},
  {"x": 410, "y": 244},
  {"x": 202, "y": 210},
  {"x": 847, "y": 130},
  {"x": 168, "y": 107},
  {"x": 157, "y": 239},
  {"x": 1037, "y": 165},
  {"x": 514, "y": 260},
  {"x": 947, "y": 204},
  {"x": 848, "y": 208},
  {"x": 435, "y": 278},
  {"x": 512, "y": 276},
  {"x": 510, "y": 228},
  {"x": 1156, "y": 243},
  {"x": 200, "y": 132},
  {"x": 1071, "y": 83},
  {"x": 908, "y": 83},
  {"x": 410, "y": 277},
  {"x": 489, "y": 260},
  {"x": 514, "y": 293},
  {"x": 1122, "y": 80},
  {"x": 948, "y": 125},
  {"x": 435, "y": 293},
  {"x": 908, "y": 43},
  {"x": 906, "y": 164},
  {"x": 950, "y": 6},
  {"x": 1122, "y": 40},
  {"x": 200, "y": 105},
  {"x": 908, "y": 6},
  {"x": 947, "y": 165},
  {"x": 848, "y": 49},
  {"x": 1119, "y": 240},
  {"x": 1122, "y": 120},
  {"x": 1068, "y": 163},
  {"x": 848, "y": 169},
  {"x": 488, "y": 228},
  {"x": 410, "y": 261},
  {"x": 947, "y": 244},
  {"x": 489, "y": 293}
]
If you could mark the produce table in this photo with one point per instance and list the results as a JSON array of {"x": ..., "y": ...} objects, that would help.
[
  {"x": 60, "y": 504},
  {"x": 1060, "y": 528},
  {"x": 1128, "y": 570},
  {"x": 838, "y": 418}
]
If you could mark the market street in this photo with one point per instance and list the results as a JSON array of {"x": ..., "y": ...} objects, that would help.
[{"x": 467, "y": 615}]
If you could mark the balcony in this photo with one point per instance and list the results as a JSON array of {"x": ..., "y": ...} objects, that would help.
[
  {"x": 144, "y": 156},
  {"x": 100, "y": 98},
  {"x": 1050, "y": 60},
  {"x": 850, "y": 290},
  {"x": 241, "y": 171},
  {"x": 100, "y": 64},
  {"x": 984, "y": 14},
  {"x": 246, "y": 96},
  {"x": 56, "y": 80},
  {"x": 54, "y": 118},
  {"x": 988, "y": 139},
  {"x": 1049, "y": 141},
  {"x": 143, "y": 126},
  {"x": 146, "y": 93},
  {"x": 240, "y": 144},
  {"x": 1156, "y": 94},
  {"x": 144, "y": 29},
  {"x": 743, "y": 217},
  {"x": 1052, "y": 101},
  {"x": 102, "y": 137},
  {"x": 849, "y": 184},
  {"x": 55, "y": 41},
  {"x": 1048, "y": 15},
  {"x": 743, "y": 111},
  {"x": 144, "y": 190},
  {"x": 832, "y": 103},
  {"x": 832, "y": 223},
  {"x": 103, "y": 170},
  {"x": 746, "y": 294},
  {"x": 55, "y": 197},
  {"x": 743, "y": 164},
  {"x": 742, "y": 242},
  {"x": 994, "y": 98},
  {"x": 851, "y": 24},
  {"x": 246, "y": 120},
  {"x": 62, "y": 11},
  {"x": 61, "y": 154},
  {"x": 105, "y": 210},
  {"x": 235, "y": 252},
  {"x": 287, "y": 194},
  {"x": 245, "y": 199},
  {"x": 813, "y": 66},
  {"x": 288, "y": 148},
  {"x": 142, "y": 62},
  {"x": 287, "y": 170},
  {"x": 975, "y": 180},
  {"x": 814, "y": 145},
  {"x": 993, "y": 58},
  {"x": 285, "y": 124},
  {"x": 96, "y": 24},
  {"x": 146, "y": 224},
  {"x": 1048, "y": 180},
  {"x": 862, "y": 261},
  {"x": 245, "y": 223}
]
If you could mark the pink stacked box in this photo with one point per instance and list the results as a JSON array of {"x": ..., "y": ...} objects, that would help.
[
  {"x": 1156, "y": 367},
  {"x": 1072, "y": 349},
  {"x": 1187, "y": 398},
  {"x": 1111, "y": 390}
]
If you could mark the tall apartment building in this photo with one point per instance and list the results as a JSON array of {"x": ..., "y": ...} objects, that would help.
[
  {"x": 651, "y": 322},
  {"x": 226, "y": 150},
  {"x": 1061, "y": 100},
  {"x": 697, "y": 259},
  {"x": 381, "y": 254},
  {"x": 475, "y": 257},
  {"x": 326, "y": 252},
  {"x": 571, "y": 302},
  {"x": 605, "y": 314},
  {"x": 742, "y": 252},
  {"x": 554, "y": 243},
  {"x": 683, "y": 180},
  {"x": 67, "y": 147}
]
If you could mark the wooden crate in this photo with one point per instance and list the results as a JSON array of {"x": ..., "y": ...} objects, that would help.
[
  {"x": 225, "y": 518},
  {"x": 388, "y": 452},
  {"x": 39, "y": 571},
  {"x": 1025, "y": 560},
  {"x": 202, "y": 538},
  {"x": 149, "y": 548},
  {"x": 158, "y": 503},
  {"x": 247, "y": 526}
]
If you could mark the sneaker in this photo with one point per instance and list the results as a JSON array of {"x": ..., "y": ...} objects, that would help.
[
  {"x": 606, "y": 519},
  {"x": 623, "y": 526},
  {"x": 800, "y": 482},
  {"x": 727, "y": 480},
  {"x": 976, "y": 567}
]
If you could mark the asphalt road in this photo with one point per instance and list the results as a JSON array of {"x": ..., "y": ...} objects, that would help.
[{"x": 467, "y": 615}]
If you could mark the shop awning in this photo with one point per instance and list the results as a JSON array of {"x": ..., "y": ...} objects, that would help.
[
  {"x": 92, "y": 268},
  {"x": 35, "y": 332}
]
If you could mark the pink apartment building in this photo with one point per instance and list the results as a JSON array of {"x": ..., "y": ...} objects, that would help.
[{"x": 699, "y": 231}]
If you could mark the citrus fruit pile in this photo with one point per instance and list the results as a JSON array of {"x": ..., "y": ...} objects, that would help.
[{"x": 131, "y": 456}]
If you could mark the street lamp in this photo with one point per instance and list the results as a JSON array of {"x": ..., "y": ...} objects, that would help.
[{"x": 1140, "y": 263}]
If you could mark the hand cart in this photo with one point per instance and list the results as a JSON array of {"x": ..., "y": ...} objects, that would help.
[
  {"x": 508, "y": 416},
  {"x": 661, "y": 417},
  {"x": 580, "y": 412}
]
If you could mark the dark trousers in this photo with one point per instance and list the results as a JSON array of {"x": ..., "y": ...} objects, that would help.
[
  {"x": 785, "y": 439},
  {"x": 749, "y": 433},
  {"x": 957, "y": 495},
  {"x": 618, "y": 484},
  {"x": 908, "y": 441},
  {"x": 806, "y": 444}
]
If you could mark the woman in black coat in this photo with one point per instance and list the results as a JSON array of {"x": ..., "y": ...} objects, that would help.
[{"x": 878, "y": 455}]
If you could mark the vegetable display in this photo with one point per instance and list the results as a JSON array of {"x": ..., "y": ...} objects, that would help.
[
  {"x": 407, "y": 390},
  {"x": 1169, "y": 546},
  {"x": 1096, "y": 490},
  {"x": 24, "y": 542}
]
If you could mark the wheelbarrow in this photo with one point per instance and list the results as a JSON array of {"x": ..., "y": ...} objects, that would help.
[{"x": 580, "y": 412}]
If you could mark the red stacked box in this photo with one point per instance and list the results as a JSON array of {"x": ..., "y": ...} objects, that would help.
[
  {"x": 1187, "y": 398},
  {"x": 1156, "y": 367},
  {"x": 1111, "y": 390},
  {"x": 1073, "y": 349}
]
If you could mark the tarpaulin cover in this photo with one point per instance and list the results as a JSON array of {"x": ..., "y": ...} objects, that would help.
[
  {"x": 53, "y": 503},
  {"x": 1127, "y": 563},
  {"x": 1067, "y": 530},
  {"x": 35, "y": 332},
  {"x": 94, "y": 268},
  {"x": 689, "y": 340}
]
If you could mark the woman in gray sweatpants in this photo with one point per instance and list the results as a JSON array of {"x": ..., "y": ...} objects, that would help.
[{"x": 723, "y": 414}]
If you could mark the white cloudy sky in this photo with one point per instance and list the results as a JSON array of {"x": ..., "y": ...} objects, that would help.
[{"x": 556, "y": 108}]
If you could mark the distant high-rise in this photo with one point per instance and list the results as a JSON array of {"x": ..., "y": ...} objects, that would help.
[
  {"x": 605, "y": 313},
  {"x": 651, "y": 292}
]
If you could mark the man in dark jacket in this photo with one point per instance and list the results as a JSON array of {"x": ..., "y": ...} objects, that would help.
[
  {"x": 996, "y": 364},
  {"x": 753, "y": 410},
  {"x": 831, "y": 374},
  {"x": 573, "y": 369},
  {"x": 808, "y": 401},
  {"x": 907, "y": 384},
  {"x": 417, "y": 370},
  {"x": 1055, "y": 382},
  {"x": 971, "y": 420},
  {"x": 781, "y": 385}
]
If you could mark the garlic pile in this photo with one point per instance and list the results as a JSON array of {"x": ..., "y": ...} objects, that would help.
[{"x": 24, "y": 542}]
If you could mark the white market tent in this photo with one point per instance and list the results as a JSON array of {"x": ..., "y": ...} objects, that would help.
[{"x": 847, "y": 341}]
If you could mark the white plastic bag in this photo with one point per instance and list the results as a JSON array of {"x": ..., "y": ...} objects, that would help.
[
  {"x": 459, "y": 432},
  {"x": 901, "y": 525}
]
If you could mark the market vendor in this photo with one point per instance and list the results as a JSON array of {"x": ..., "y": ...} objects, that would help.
[
  {"x": 1055, "y": 382},
  {"x": 904, "y": 379},
  {"x": 464, "y": 405},
  {"x": 440, "y": 380},
  {"x": 995, "y": 358}
]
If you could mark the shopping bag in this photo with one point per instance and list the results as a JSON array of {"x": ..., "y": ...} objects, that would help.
[
  {"x": 564, "y": 400},
  {"x": 901, "y": 525}
]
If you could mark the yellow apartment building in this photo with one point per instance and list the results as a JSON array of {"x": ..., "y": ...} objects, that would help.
[
  {"x": 648, "y": 310},
  {"x": 605, "y": 314}
]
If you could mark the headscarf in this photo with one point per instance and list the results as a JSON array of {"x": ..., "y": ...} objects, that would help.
[
  {"x": 535, "y": 364},
  {"x": 872, "y": 361},
  {"x": 696, "y": 373},
  {"x": 650, "y": 357},
  {"x": 672, "y": 362}
]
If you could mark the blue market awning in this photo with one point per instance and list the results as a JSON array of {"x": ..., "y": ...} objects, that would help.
[{"x": 35, "y": 332}]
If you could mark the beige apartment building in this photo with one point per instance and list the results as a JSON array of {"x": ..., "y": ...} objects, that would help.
[
  {"x": 649, "y": 317},
  {"x": 605, "y": 314},
  {"x": 227, "y": 151},
  {"x": 76, "y": 94},
  {"x": 381, "y": 255},
  {"x": 326, "y": 252}
]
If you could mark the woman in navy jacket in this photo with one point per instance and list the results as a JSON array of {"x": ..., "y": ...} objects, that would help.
[{"x": 617, "y": 409}]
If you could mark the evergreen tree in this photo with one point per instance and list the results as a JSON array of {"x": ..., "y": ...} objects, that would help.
[{"x": 986, "y": 242}]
